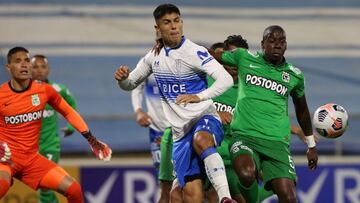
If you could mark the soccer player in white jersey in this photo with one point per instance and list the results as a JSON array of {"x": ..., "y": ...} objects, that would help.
[{"x": 180, "y": 71}]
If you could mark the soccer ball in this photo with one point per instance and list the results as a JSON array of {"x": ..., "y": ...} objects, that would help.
[{"x": 330, "y": 120}]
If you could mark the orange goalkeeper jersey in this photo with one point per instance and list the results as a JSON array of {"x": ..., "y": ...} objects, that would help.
[{"x": 21, "y": 113}]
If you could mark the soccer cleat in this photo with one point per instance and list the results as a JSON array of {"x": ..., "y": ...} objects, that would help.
[{"x": 227, "y": 200}]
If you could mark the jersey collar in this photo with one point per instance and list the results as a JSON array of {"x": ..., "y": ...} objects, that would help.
[
  {"x": 168, "y": 49},
  {"x": 280, "y": 66},
  {"x": 20, "y": 91}
]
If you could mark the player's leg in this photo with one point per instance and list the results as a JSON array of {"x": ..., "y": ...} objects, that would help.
[
  {"x": 193, "y": 191},
  {"x": 49, "y": 195},
  {"x": 285, "y": 190},
  {"x": 5, "y": 178},
  {"x": 244, "y": 162},
  {"x": 208, "y": 134},
  {"x": 59, "y": 180},
  {"x": 279, "y": 171},
  {"x": 166, "y": 168},
  {"x": 233, "y": 180},
  {"x": 176, "y": 193},
  {"x": 42, "y": 173},
  {"x": 187, "y": 168}
]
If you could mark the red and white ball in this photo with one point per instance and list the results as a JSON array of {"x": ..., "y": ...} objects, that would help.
[{"x": 330, "y": 120}]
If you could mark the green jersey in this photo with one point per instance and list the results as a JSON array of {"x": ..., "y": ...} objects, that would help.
[
  {"x": 262, "y": 106},
  {"x": 225, "y": 102},
  {"x": 49, "y": 138}
]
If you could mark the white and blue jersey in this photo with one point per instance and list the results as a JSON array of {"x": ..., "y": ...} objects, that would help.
[
  {"x": 182, "y": 70},
  {"x": 150, "y": 91}
]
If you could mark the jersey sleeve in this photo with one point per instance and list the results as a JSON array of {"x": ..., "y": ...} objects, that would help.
[
  {"x": 61, "y": 106},
  {"x": 69, "y": 98},
  {"x": 137, "y": 96},
  {"x": 204, "y": 62},
  {"x": 299, "y": 89},
  {"x": 139, "y": 74},
  {"x": 232, "y": 58}
]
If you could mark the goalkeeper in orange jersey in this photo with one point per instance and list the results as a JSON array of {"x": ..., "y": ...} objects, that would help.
[
  {"x": 22, "y": 101},
  {"x": 49, "y": 144}
]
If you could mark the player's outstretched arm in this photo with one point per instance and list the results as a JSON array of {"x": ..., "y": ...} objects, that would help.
[
  {"x": 304, "y": 119},
  {"x": 101, "y": 150},
  {"x": 130, "y": 80}
]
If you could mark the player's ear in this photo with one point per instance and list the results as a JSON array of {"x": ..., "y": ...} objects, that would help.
[
  {"x": 7, "y": 67},
  {"x": 262, "y": 45}
]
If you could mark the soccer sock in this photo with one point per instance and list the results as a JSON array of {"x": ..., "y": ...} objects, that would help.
[
  {"x": 215, "y": 171},
  {"x": 73, "y": 194},
  {"x": 263, "y": 193},
  {"x": 48, "y": 196},
  {"x": 250, "y": 193}
]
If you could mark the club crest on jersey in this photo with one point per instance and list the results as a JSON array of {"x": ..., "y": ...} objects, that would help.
[
  {"x": 35, "y": 100},
  {"x": 286, "y": 77}
]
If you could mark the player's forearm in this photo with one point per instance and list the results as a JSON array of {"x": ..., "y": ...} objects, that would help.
[
  {"x": 136, "y": 77},
  {"x": 223, "y": 81},
  {"x": 71, "y": 116},
  {"x": 137, "y": 97}
]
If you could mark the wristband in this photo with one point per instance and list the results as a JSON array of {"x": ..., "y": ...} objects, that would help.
[
  {"x": 310, "y": 141},
  {"x": 86, "y": 134}
]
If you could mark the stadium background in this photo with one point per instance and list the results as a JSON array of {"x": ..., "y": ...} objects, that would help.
[{"x": 86, "y": 41}]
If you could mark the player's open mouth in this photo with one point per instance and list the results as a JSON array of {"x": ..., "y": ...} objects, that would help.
[{"x": 25, "y": 72}]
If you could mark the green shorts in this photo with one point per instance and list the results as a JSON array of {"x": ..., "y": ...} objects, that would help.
[
  {"x": 271, "y": 157},
  {"x": 166, "y": 169}
]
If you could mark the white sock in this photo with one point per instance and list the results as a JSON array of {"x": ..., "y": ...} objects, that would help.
[{"x": 215, "y": 171}]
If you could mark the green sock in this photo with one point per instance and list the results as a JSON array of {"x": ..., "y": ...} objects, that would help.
[
  {"x": 250, "y": 193},
  {"x": 263, "y": 193},
  {"x": 48, "y": 196}
]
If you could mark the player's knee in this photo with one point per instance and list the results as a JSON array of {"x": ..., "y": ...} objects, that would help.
[
  {"x": 246, "y": 171},
  {"x": 74, "y": 191},
  {"x": 4, "y": 187},
  {"x": 202, "y": 141}
]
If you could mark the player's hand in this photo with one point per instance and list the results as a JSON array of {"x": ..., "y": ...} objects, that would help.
[
  {"x": 122, "y": 73},
  {"x": 142, "y": 118},
  {"x": 225, "y": 117},
  {"x": 5, "y": 153},
  {"x": 101, "y": 150},
  {"x": 312, "y": 157},
  {"x": 187, "y": 98},
  {"x": 67, "y": 132}
]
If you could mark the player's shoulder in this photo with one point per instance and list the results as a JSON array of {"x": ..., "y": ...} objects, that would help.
[
  {"x": 57, "y": 86},
  {"x": 149, "y": 56},
  {"x": 194, "y": 51},
  {"x": 294, "y": 70}
]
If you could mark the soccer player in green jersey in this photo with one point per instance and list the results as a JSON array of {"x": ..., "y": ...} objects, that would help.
[
  {"x": 261, "y": 125},
  {"x": 49, "y": 138}
]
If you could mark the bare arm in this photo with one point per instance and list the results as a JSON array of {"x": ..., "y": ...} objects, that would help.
[{"x": 304, "y": 119}]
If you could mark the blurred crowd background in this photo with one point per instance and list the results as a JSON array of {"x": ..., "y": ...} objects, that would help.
[{"x": 85, "y": 42}]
